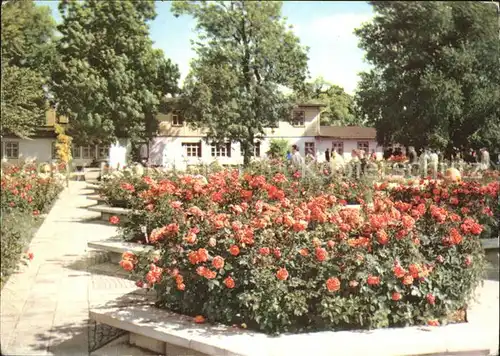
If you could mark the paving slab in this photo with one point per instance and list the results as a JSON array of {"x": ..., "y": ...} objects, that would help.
[{"x": 45, "y": 305}]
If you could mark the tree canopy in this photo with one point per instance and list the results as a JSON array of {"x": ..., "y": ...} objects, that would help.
[
  {"x": 339, "y": 109},
  {"x": 435, "y": 79},
  {"x": 245, "y": 54},
  {"x": 109, "y": 80},
  {"x": 28, "y": 52}
]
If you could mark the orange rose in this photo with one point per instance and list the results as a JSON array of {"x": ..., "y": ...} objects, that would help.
[
  {"x": 202, "y": 255},
  {"x": 199, "y": 319},
  {"x": 382, "y": 237},
  {"x": 179, "y": 279},
  {"x": 304, "y": 252},
  {"x": 129, "y": 256},
  {"x": 127, "y": 265},
  {"x": 201, "y": 270},
  {"x": 282, "y": 274},
  {"x": 407, "y": 280},
  {"x": 332, "y": 284},
  {"x": 181, "y": 286},
  {"x": 433, "y": 322},
  {"x": 414, "y": 269},
  {"x": 218, "y": 262},
  {"x": 229, "y": 282},
  {"x": 234, "y": 250}
]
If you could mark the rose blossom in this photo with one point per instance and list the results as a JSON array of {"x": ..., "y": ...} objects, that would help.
[
  {"x": 332, "y": 284},
  {"x": 282, "y": 274},
  {"x": 229, "y": 282}
]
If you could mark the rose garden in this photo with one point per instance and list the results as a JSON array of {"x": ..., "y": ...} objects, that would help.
[{"x": 274, "y": 250}]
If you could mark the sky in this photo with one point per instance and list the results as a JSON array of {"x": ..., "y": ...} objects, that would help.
[{"x": 326, "y": 27}]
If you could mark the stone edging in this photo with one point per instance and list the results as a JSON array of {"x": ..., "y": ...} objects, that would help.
[
  {"x": 174, "y": 329},
  {"x": 109, "y": 210}
]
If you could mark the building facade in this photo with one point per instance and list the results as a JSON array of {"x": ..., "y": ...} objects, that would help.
[
  {"x": 178, "y": 144},
  {"x": 182, "y": 146}
]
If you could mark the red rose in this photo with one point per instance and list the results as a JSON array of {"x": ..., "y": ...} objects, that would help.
[
  {"x": 31, "y": 255},
  {"x": 396, "y": 296},
  {"x": 431, "y": 299},
  {"x": 277, "y": 253},
  {"x": 115, "y": 220},
  {"x": 321, "y": 254},
  {"x": 373, "y": 280},
  {"x": 264, "y": 251},
  {"x": 440, "y": 259},
  {"x": 234, "y": 250}
]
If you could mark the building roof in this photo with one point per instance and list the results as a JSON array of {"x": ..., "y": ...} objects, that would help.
[
  {"x": 348, "y": 132},
  {"x": 312, "y": 105}
]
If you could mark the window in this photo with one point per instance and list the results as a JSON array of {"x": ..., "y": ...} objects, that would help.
[
  {"x": 363, "y": 145},
  {"x": 54, "y": 150},
  {"x": 76, "y": 152},
  {"x": 192, "y": 149},
  {"x": 87, "y": 152},
  {"x": 299, "y": 118},
  {"x": 256, "y": 149},
  {"x": 338, "y": 146},
  {"x": 12, "y": 150},
  {"x": 223, "y": 150},
  {"x": 309, "y": 148},
  {"x": 102, "y": 152},
  {"x": 177, "y": 119}
]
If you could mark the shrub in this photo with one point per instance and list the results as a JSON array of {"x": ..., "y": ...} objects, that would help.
[
  {"x": 467, "y": 199},
  {"x": 24, "y": 196},
  {"x": 265, "y": 252},
  {"x": 17, "y": 229}
]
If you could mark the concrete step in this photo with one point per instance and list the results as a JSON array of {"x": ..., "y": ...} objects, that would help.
[
  {"x": 109, "y": 269},
  {"x": 115, "y": 247},
  {"x": 121, "y": 347},
  {"x": 108, "y": 211}
]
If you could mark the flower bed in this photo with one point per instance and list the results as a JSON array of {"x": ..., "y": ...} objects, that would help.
[
  {"x": 471, "y": 199},
  {"x": 24, "y": 196},
  {"x": 275, "y": 254}
]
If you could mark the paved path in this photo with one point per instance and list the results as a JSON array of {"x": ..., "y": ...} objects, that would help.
[{"x": 44, "y": 307}]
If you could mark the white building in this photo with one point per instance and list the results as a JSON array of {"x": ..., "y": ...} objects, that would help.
[{"x": 185, "y": 146}]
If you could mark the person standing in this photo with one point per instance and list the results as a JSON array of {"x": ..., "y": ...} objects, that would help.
[
  {"x": 297, "y": 160},
  {"x": 327, "y": 155},
  {"x": 485, "y": 159}
]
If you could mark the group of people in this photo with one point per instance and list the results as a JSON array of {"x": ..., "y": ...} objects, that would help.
[{"x": 428, "y": 158}]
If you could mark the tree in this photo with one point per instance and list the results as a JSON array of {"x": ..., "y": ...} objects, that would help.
[
  {"x": 110, "y": 80},
  {"x": 28, "y": 51},
  {"x": 339, "y": 108},
  {"x": 435, "y": 80},
  {"x": 245, "y": 53}
]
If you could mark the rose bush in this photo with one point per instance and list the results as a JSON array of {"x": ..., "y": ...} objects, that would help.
[
  {"x": 469, "y": 199},
  {"x": 264, "y": 251},
  {"x": 25, "y": 195}
]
